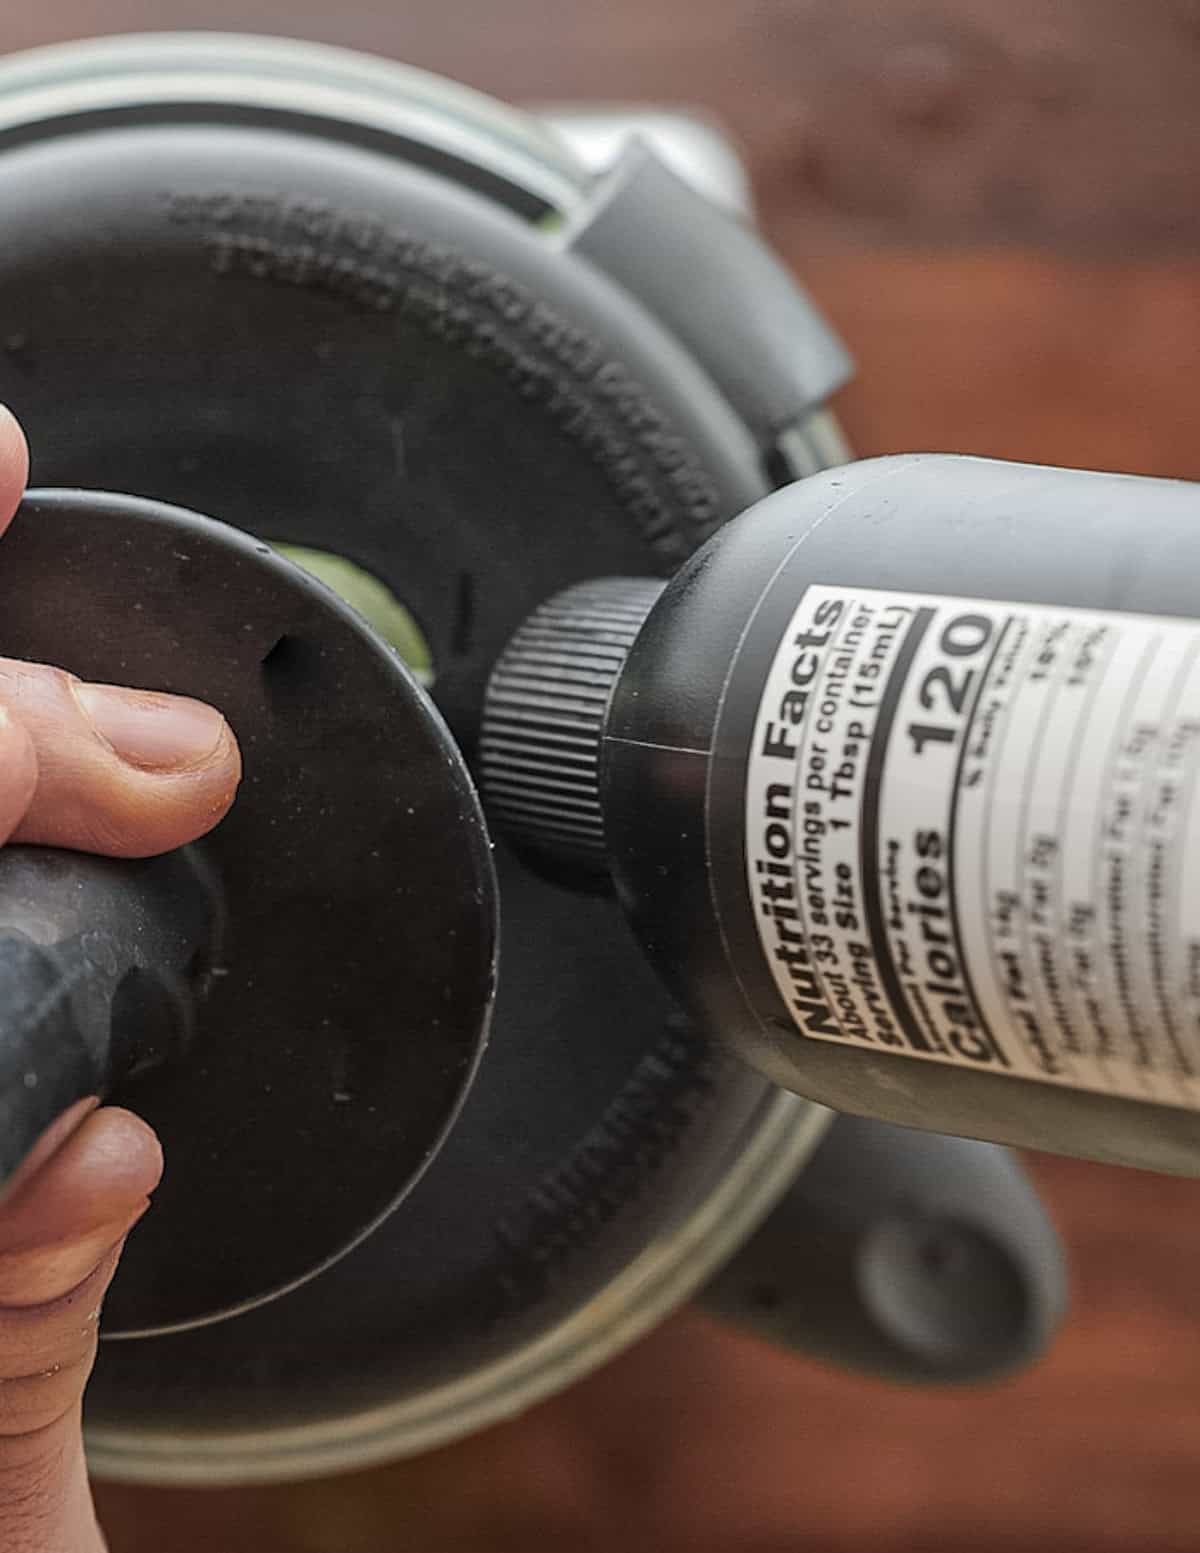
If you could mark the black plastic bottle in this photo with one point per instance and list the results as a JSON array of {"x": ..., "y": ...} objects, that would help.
[{"x": 897, "y": 781}]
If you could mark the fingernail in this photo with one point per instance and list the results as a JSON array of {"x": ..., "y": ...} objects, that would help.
[
  {"x": 9, "y": 421},
  {"x": 153, "y": 732}
]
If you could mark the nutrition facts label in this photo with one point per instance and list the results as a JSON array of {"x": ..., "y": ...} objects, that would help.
[{"x": 968, "y": 831}]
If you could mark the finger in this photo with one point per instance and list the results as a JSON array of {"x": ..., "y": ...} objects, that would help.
[
  {"x": 50, "y": 1350},
  {"x": 62, "y": 1228},
  {"x": 60, "y": 1237},
  {"x": 123, "y": 772},
  {"x": 58, "y": 1222},
  {"x": 18, "y": 763},
  {"x": 14, "y": 466},
  {"x": 18, "y": 773}
]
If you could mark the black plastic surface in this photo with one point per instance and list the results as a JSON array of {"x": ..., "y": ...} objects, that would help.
[
  {"x": 915, "y": 1257},
  {"x": 511, "y": 423},
  {"x": 100, "y": 963},
  {"x": 722, "y": 290},
  {"x": 320, "y": 345},
  {"x": 345, "y": 1019}
]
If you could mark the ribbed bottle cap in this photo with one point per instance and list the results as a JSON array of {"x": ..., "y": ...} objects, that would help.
[{"x": 544, "y": 716}]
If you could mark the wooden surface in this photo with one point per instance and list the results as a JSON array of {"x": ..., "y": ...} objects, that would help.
[{"x": 996, "y": 201}]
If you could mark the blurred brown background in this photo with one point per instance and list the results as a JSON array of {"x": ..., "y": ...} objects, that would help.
[{"x": 997, "y": 202}]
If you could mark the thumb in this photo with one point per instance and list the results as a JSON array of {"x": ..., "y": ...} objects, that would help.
[
  {"x": 14, "y": 465},
  {"x": 63, "y": 1224}
]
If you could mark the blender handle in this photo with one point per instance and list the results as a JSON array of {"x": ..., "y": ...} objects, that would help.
[
  {"x": 909, "y": 1255},
  {"x": 99, "y": 961}
]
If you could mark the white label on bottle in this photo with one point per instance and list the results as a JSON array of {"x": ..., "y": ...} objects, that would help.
[{"x": 974, "y": 836}]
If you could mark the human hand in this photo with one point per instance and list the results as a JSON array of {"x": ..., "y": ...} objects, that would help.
[{"x": 128, "y": 774}]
